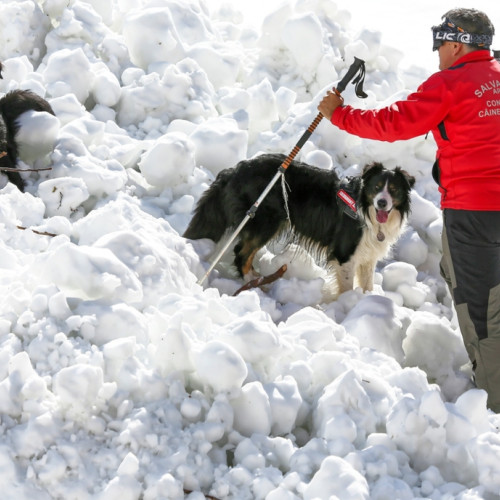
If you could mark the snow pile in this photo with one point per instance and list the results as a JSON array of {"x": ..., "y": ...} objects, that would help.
[{"x": 122, "y": 378}]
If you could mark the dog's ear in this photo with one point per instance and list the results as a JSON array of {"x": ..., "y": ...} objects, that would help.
[
  {"x": 409, "y": 178},
  {"x": 371, "y": 169}
]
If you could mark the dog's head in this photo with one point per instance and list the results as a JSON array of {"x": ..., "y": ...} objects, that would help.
[{"x": 385, "y": 190}]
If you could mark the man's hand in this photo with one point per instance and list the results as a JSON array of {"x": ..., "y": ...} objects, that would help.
[{"x": 330, "y": 103}]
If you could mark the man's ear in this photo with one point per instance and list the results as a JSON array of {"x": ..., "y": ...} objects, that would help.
[{"x": 457, "y": 48}]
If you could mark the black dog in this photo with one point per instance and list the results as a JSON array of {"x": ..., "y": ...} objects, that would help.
[
  {"x": 12, "y": 106},
  {"x": 352, "y": 224}
]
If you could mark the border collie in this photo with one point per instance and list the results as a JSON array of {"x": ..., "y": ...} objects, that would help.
[
  {"x": 350, "y": 223},
  {"x": 12, "y": 106}
]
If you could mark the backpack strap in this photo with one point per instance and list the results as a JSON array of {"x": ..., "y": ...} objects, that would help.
[{"x": 347, "y": 196}]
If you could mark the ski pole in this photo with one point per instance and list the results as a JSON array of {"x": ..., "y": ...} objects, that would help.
[{"x": 356, "y": 68}]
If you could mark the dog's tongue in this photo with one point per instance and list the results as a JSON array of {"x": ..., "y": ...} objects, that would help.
[{"x": 382, "y": 216}]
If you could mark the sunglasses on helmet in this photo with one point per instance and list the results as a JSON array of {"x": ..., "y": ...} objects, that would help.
[{"x": 450, "y": 32}]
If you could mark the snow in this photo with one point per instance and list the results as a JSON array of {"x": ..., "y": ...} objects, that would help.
[{"x": 121, "y": 377}]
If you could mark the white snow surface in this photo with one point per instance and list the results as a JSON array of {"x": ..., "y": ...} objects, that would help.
[{"x": 124, "y": 379}]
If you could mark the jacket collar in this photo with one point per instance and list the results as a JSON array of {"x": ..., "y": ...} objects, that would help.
[{"x": 474, "y": 56}]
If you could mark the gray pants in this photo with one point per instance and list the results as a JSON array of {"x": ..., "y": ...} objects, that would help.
[{"x": 471, "y": 267}]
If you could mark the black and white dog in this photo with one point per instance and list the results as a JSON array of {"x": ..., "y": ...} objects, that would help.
[
  {"x": 12, "y": 106},
  {"x": 351, "y": 224}
]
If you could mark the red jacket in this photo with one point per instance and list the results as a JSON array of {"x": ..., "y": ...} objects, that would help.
[{"x": 461, "y": 107}]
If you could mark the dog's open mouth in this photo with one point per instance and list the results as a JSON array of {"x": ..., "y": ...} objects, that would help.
[{"x": 382, "y": 216}]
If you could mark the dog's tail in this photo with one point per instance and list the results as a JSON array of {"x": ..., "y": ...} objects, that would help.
[{"x": 209, "y": 219}]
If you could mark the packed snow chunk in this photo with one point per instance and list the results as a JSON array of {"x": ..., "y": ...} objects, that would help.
[
  {"x": 390, "y": 487},
  {"x": 156, "y": 34},
  {"x": 106, "y": 88},
  {"x": 161, "y": 43},
  {"x": 345, "y": 396},
  {"x": 34, "y": 437},
  {"x": 88, "y": 273},
  {"x": 120, "y": 349},
  {"x": 38, "y": 132},
  {"x": 78, "y": 389},
  {"x": 317, "y": 331},
  {"x": 129, "y": 466},
  {"x": 18, "y": 207},
  {"x": 435, "y": 232},
  {"x": 101, "y": 177},
  {"x": 433, "y": 346},
  {"x": 337, "y": 479},
  {"x": 23, "y": 28},
  {"x": 356, "y": 48},
  {"x": 160, "y": 260},
  {"x": 375, "y": 323},
  {"x": 412, "y": 249},
  {"x": 303, "y": 36},
  {"x": 254, "y": 340},
  {"x": 123, "y": 487},
  {"x": 304, "y": 293},
  {"x": 231, "y": 100},
  {"x": 420, "y": 427},
  {"x": 252, "y": 410},
  {"x": 262, "y": 109},
  {"x": 21, "y": 385},
  {"x": 103, "y": 324},
  {"x": 191, "y": 408},
  {"x": 62, "y": 196},
  {"x": 174, "y": 344},
  {"x": 401, "y": 277},
  {"x": 181, "y": 92},
  {"x": 69, "y": 72},
  {"x": 285, "y": 401},
  {"x": 219, "y": 144},
  {"x": 170, "y": 161},
  {"x": 472, "y": 405},
  {"x": 299, "y": 263},
  {"x": 67, "y": 108},
  {"x": 85, "y": 128},
  {"x": 373, "y": 40},
  {"x": 398, "y": 273},
  {"x": 423, "y": 212},
  {"x": 15, "y": 69},
  {"x": 488, "y": 458},
  {"x": 221, "y": 66},
  {"x": 248, "y": 455},
  {"x": 220, "y": 366},
  {"x": 320, "y": 159}
]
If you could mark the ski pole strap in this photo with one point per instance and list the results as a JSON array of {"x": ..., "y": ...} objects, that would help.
[{"x": 356, "y": 68}]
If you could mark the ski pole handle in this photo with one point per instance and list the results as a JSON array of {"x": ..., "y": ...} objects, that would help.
[{"x": 357, "y": 66}]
